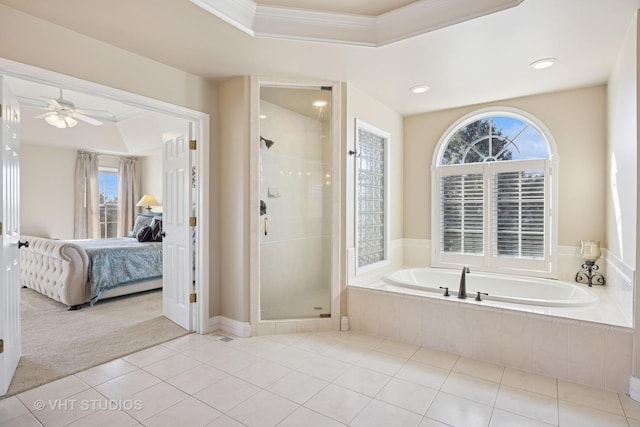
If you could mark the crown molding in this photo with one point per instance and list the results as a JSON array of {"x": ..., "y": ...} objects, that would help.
[{"x": 414, "y": 19}]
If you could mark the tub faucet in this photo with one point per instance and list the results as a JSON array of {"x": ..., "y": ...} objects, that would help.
[{"x": 462, "y": 291}]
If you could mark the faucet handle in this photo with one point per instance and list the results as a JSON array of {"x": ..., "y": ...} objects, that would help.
[
  {"x": 446, "y": 291},
  {"x": 479, "y": 298}
]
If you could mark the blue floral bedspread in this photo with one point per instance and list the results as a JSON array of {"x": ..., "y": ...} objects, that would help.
[{"x": 120, "y": 261}]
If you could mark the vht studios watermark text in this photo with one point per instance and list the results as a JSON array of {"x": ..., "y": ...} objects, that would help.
[{"x": 87, "y": 405}]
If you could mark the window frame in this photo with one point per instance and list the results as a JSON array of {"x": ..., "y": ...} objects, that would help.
[
  {"x": 546, "y": 267},
  {"x": 110, "y": 170},
  {"x": 385, "y": 136}
]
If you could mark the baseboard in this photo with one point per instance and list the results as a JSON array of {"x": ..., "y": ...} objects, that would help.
[
  {"x": 230, "y": 326},
  {"x": 634, "y": 388}
]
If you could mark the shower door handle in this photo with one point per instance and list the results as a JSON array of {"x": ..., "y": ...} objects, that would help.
[{"x": 266, "y": 226}]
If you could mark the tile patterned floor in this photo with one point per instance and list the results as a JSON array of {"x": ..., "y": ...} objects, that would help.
[{"x": 321, "y": 379}]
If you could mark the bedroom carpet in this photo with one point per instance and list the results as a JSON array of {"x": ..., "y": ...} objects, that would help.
[{"x": 57, "y": 342}]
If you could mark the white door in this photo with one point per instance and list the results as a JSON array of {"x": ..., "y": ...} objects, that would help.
[
  {"x": 10, "y": 337},
  {"x": 177, "y": 258}
]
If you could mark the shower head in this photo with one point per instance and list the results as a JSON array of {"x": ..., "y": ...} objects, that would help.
[{"x": 267, "y": 142}]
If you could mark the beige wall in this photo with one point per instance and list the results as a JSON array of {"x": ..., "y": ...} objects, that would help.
[
  {"x": 98, "y": 62},
  {"x": 151, "y": 176},
  {"x": 234, "y": 198},
  {"x": 363, "y": 107},
  {"x": 47, "y": 175},
  {"x": 577, "y": 121}
]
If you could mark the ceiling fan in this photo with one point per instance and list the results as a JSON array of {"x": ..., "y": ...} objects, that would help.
[{"x": 62, "y": 114}]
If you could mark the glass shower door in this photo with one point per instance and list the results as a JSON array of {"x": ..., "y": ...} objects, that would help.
[{"x": 295, "y": 203}]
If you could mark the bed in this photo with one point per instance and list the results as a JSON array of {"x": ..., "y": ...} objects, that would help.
[{"x": 75, "y": 272}]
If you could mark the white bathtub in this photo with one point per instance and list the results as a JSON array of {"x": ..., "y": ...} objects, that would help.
[{"x": 512, "y": 289}]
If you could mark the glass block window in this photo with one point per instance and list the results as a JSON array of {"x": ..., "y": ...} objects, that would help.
[
  {"x": 493, "y": 195},
  {"x": 371, "y": 193}
]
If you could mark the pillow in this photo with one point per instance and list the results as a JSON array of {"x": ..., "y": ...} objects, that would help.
[
  {"x": 141, "y": 221},
  {"x": 144, "y": 234},
  {"x": 156, "y": 229}
]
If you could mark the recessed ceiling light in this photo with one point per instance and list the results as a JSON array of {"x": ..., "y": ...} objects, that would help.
[
  {"x": 541, "y": 64},
  {"x": 320, "y": 103},
  {"x": 420, "y": 89}
]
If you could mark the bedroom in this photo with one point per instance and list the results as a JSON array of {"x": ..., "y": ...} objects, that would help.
[{"x": 47, "y": 205}]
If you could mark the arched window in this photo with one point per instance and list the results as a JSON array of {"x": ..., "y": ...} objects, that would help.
[{"x": 493, "y": 195}]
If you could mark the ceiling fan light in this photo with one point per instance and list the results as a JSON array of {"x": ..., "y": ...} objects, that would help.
[
  {"x": 52, "y": 120},
  {"x": 70, "y": 121}
]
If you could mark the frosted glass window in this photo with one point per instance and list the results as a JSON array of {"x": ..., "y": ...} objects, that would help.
[{"x": 371, "y": 196}]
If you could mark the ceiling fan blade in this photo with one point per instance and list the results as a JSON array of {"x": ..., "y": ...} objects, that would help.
[
  {"x": 43, "y": 115},
  {"x": 87, "y": 119},
  {"x": 98, "y": 113},
  {"x": 53, "y": 102}
]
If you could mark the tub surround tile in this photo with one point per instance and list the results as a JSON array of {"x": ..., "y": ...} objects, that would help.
[{"x": 583, "y": 352}]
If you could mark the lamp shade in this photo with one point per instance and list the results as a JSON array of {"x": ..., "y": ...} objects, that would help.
[{"x": 147, "y": 201}]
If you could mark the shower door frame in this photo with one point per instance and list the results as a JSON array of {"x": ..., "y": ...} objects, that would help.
[{"x": 259, "y": 326}]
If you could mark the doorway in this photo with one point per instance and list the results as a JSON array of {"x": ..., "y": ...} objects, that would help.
[{"x": 199, "y": 317}]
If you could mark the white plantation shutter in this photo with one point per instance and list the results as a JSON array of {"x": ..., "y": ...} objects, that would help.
[
  {"x": 494, "y": 215},
  {"x": 462, "y": 214},
  {"x": 518, "y": 213}
]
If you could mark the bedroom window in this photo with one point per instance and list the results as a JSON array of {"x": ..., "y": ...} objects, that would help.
[
  {"x": 493, "y": 195},
  {"x": 108, "y": 184}
]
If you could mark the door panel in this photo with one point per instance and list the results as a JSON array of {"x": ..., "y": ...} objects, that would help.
[
  {"x": 177, "y": 243},
  {"x": 10, "y": 218}
]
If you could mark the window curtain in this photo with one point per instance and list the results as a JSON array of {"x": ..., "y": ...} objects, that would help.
[
  {"x": 87, "y": 198},
  {"x": 128, "y": 195}
]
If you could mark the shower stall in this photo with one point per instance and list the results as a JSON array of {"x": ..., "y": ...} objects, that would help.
[{"x": 296, "y": 226}]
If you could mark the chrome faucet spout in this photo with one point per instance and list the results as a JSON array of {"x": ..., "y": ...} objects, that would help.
[{"x": 462, "y": 291}]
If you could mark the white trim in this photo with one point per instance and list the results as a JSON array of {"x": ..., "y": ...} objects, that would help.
[
  {"x": 386, "y": 136},
  {"x": 634, "y": 388},
  {"x": 230, "y": 326},
  {"x": 40, "y": 75},
  {"x": 408, "y": 21}
]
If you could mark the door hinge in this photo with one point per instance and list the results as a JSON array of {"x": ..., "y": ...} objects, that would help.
[
  {"x": 193, "y": 221},
  {"x": 192, "y": 297},
  {"x": 0, "y": 228},
  {"x": 1, "y": 346},
  {"x": 193, "y": 144}
]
